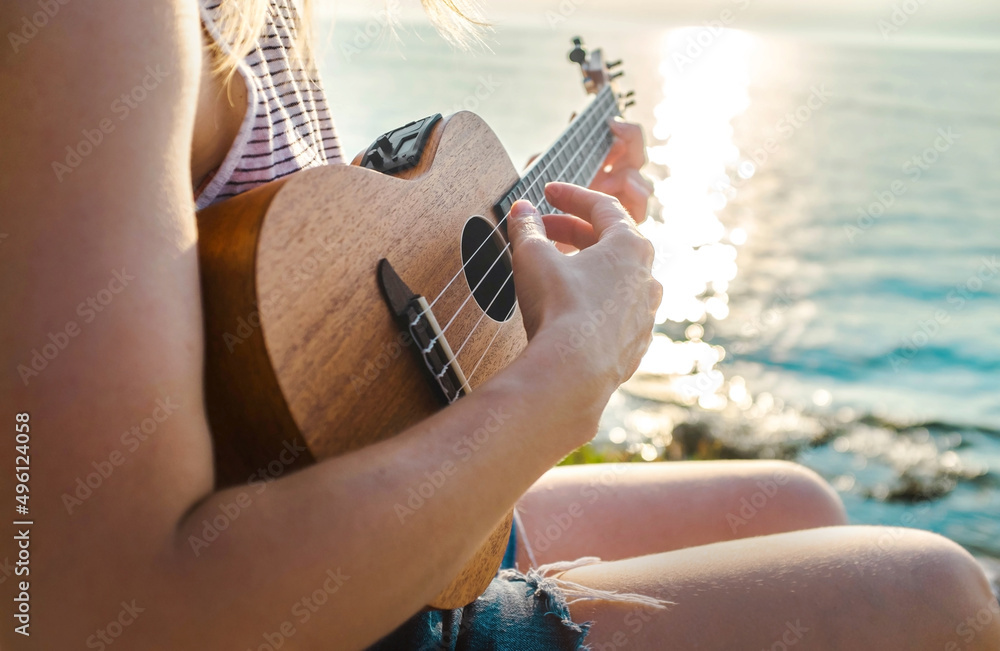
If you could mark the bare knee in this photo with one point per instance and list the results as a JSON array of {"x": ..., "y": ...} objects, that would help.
[
  {"x": 958, "y": 584},
  {"x": 817, "y": 504},
  {"x": 949, "y": 590}
]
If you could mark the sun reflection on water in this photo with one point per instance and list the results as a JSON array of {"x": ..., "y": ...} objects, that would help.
[{"x": 695, "y": 253}]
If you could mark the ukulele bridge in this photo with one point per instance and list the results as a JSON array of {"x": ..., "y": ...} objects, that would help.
[{"x": 415, "y": 317}]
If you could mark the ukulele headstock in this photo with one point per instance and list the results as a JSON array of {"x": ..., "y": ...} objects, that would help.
[{"x": 597, "y": 73}]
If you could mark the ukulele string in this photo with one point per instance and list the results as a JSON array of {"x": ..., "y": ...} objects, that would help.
[
  {"x": 481, "y": 316},
  {"x": 489, "y": 345},
  {"x": 468, "y": 379},
  {"x": 471, "y": 294},
  {"x": 604, "y": 112}
]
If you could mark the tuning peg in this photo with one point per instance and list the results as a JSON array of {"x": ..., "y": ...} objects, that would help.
[
  {"x": 616, "y": 75},
  {"x": 614, "y": 64},
  {"x": 626, "y": 95},
  {"x": 629, "y": 103},
  {"x": 578, "y": 54}
]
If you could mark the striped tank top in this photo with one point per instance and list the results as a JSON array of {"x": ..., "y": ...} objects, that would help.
[{"x": 287, "y": 126}]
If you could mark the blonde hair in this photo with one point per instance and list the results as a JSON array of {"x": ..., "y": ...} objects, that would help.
[{"x": 240, "y": 23}]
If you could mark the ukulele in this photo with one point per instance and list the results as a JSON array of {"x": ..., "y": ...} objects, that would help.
[{"x": 343, "y": 304}]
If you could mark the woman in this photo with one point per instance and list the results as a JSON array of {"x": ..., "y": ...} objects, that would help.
[{"x": 115, "y": 116}]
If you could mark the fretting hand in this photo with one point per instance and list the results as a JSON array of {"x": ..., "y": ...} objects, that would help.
[{"x": 623, "y": 179}]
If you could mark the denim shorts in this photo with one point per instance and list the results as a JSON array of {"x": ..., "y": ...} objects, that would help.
[{"x": 517, "y": 612}]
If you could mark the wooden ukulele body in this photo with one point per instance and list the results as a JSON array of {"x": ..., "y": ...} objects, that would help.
[{"x": 300, "y": 344}]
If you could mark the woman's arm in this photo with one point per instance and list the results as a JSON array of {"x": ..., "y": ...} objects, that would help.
[{"x": 100, "y": 277}]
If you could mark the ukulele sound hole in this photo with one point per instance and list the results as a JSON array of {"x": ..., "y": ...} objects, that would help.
[{"x": 487, "y": 265}]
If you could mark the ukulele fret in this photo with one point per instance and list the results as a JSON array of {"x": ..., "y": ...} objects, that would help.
[{"x": 575, "y": 157}]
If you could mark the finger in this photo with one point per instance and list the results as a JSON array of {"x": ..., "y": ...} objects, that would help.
[
  {"x": 618, "y": 149},
  {"x": 621, "y": 179},
  {"x": 614, "y": 185},
  {"x": 567, "y": 229},
  {"x": 602, "y": 211},
  {"x": 525, "y": 226},
  {"x": 641, "y": 183},
  {"x": 630, "y": 187},
  {"x": 631, "y": 133}
]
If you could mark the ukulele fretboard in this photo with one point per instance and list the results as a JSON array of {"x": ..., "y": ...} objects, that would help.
[{"x": 575, "y": 157}]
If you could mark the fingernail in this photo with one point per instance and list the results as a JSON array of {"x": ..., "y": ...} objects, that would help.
[
  {"x": 617, "y": 124},
  {"x": 552, "y": 188},
  {"x": 522, "y": 208}
]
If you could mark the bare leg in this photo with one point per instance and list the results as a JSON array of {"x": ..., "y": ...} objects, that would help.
[
  {"x": 836, "y": 588},
  {"x": 618, "y": 511}
]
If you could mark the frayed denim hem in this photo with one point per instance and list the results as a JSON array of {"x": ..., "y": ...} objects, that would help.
[
  {"x": 517, "y": 612},
  {"x": 553, "y": 604}
]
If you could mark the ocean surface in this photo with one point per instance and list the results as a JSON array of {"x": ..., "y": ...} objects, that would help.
[{"x": 827, "y": 227}]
